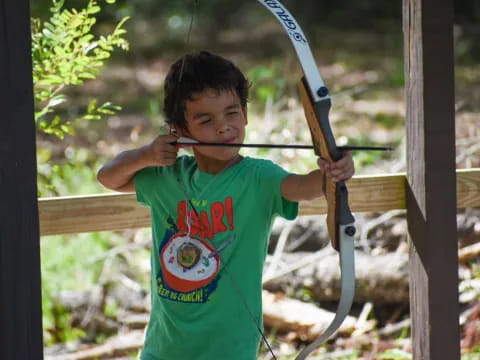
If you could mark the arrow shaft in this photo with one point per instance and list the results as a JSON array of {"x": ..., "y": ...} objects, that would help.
[{"x": 280, "y": 146}]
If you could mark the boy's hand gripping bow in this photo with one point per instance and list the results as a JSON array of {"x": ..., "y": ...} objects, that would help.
[{"x": 340, "y": 221}]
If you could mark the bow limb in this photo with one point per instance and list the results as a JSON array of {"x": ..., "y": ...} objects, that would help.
[
  {"x": 347, "y": 266},
  {"x": 340, "y": 221}
]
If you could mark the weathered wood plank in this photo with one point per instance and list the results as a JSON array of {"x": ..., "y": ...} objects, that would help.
[
  {"x": 105, "y": 212},
  {"x": 431, "y": 196},
  {"x": 121, "y": 211},
  {"x": 20, "y": 293},
  {"x": 468, "y": 188},
  {"x": 365, "y": 196}
]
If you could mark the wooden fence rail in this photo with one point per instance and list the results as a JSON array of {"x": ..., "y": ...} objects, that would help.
[{"x": 67, "y": 215}]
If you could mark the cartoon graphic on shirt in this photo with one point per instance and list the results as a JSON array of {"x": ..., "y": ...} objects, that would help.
[
  {"x": 186, "y": 263},
  {"x": 189, "y": 257}
]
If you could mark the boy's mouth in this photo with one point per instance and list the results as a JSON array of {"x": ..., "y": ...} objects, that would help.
[{"x": 229, "y": 140}]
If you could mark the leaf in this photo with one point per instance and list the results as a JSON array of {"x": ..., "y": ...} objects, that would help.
[
  {"x": 51, "y": 80},
  {"x": 74, "y": 23},
  {"x": 92, "y": 117},
  {"x": 68, "y": 128},
  {"x": 56, "y": 121},
  {"x": 86, "y": 75},
  {"x": 93, "y": 9},
  {"x": 106, "y": 111},
  {"x": 58, "y": 50},
  {"x": 92, "y": 105},
  {"x": 47, "y": 33},
  {"x": 86, "y": 39},
  {"x": 59, "y": 133}
]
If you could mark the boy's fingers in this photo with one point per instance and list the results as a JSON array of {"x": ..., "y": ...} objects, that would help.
[
  {"x": 341, "y": 163},
  {"x": 342, "y": 169},
  {"x": 171, "y": 149},
  {"x": 164, "y": 143},
  {"x": 323, "y": 164},
  {"x": 168, "y": 138},
  {"x": 165, "y": 139},
  {"x": 344, "y": 173}
]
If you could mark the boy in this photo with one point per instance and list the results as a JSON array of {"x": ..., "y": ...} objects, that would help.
[{"x": 211, "y": 215}]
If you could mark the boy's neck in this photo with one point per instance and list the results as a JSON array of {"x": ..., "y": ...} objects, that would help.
[{"x": 214, "y": 166}]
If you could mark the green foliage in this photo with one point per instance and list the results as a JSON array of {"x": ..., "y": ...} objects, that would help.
[
  {"x": 75, "y": 175},
  {"x": 65, "y": 52},
  {"x": 395, "y": 354},
  {"x": 396, "y": 75},
  {"x": 366, "y": 158},
  {"x": 67, "y": 265},
  {"x": 473, "y": 355},
  {"x": 267, "y": 83},
  {"x": 388, "y": 121}
]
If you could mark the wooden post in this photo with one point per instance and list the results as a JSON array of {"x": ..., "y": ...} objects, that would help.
[
  {"x": 20, "y": 292},
  {"x": 431, "y": 202}
]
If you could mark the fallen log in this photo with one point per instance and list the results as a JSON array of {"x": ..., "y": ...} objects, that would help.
[
  {"x": 468, "y": 253},
  {"x": 120, "y": 345},
  {"x": 381, "y": 279},
  {"x": 301, "y": 320}
]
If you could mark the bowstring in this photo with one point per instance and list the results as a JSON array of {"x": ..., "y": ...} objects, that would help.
[
  {"x": 225, "y": 268},
  {"x": 189, "y": 33},
  {"x": 247, "y": 307}
]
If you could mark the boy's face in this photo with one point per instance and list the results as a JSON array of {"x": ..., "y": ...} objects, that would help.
[{"x": 215, "y": 116}]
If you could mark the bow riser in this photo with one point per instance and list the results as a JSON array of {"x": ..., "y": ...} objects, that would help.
[{"x": 324, "y": 143}]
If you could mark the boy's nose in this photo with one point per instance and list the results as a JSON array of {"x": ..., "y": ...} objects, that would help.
[{"x": 222, "y": 128}]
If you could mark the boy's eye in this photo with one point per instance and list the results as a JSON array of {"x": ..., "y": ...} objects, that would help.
[
  {"x": 204, "y": 121},
  {"x": 232, "y": 113}
]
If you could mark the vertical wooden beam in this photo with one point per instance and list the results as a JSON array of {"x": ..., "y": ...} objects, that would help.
[
  {"x": 20, "y": 292},
  {"x": 431, "y": 198}
]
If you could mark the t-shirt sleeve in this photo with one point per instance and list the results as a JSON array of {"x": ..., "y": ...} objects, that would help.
[
  {"x": 157, "y": 181},
  {"x": 269, "y": 180},
  {"x": 142, "y": 181}
]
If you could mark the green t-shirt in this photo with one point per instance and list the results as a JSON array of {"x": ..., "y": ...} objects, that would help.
[{"x": 203, "y": 273}]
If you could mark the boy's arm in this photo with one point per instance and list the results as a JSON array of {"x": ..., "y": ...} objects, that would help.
[
  {"x": 118, "y": 173},
  {"x": 303, "y": 187},
  {"x": 310, "y": 186}
]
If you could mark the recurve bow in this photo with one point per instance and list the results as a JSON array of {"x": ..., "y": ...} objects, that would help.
[{"x": 340, "y": 221}]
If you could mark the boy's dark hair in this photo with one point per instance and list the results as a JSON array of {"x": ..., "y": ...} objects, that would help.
[{"x": 194, "y": 73}]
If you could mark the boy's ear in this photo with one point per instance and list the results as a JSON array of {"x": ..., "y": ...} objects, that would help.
[
  {"x": 178, "y": 131},
  {"x": 245, "y": 113}
]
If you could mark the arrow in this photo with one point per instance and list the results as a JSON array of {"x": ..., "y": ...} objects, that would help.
[{"x": 184, "y": 142}]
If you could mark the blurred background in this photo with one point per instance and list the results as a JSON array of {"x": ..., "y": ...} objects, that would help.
[{"x": 98, "y": 69}]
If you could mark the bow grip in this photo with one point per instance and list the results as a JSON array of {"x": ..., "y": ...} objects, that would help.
[{"x": 323, "y": 140}]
